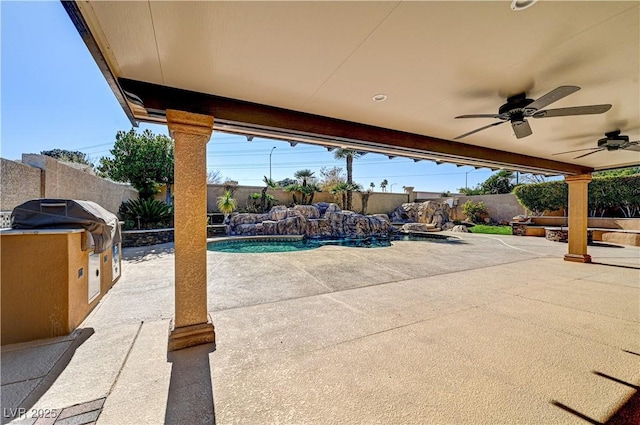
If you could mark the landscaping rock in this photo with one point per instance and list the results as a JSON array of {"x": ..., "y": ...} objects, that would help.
[
  {"x": 239, "y": 219},
  {"x": 448, "y": 225},
  {"x": 307, "y": 211},
  {"x": 405, "y": 213},
  {"x": 318, "y": 220},
  {"x": 322, "y": 207},
  {"x": 430, "y": 212},
  {"x": 460, "y": 228},
  {"x": 418, "y": 227},
  {"x": 279, "y": 212}
]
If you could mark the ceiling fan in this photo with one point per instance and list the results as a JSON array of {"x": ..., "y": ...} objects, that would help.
[
  {"x": 612, "y": 141},
  {"x": 518, "y": 108}
]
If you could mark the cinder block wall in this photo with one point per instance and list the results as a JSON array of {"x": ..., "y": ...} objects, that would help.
[
  {"x": 501, "y": 207},
  {"x": 379, "y": 203},
  {"x": 19, "y": 183},
  {"x": 40, "y": 176}
]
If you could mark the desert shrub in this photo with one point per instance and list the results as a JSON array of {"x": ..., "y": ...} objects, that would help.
[
  {"x": 146, "y": 214},
  {"x": 475, "y": 211}
]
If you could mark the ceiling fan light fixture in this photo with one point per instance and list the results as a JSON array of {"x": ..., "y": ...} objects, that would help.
[
  {"x": 522, "y": 4},
  {"x": 380, "y": 97}
]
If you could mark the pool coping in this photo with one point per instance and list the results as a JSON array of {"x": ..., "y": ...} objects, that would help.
[{"x": 269, "y": 238}]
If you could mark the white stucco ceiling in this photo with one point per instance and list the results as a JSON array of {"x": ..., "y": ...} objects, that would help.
[{"x": 434, "y": 61}]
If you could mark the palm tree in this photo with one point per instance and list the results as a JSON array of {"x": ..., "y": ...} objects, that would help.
[
  {"x": 340, "y": 190},
  {"x": 294, "y": 189},
  {"x": 372, "y": 185},
  {"x": 349, "y": 155},
  {"x": 226, "y": 203},
  {"x": 269, "y": 184},
  {"x": 308, "y": 193},
  {"x": 383, "y": 185},
  {"x": 303, "y": 175}
]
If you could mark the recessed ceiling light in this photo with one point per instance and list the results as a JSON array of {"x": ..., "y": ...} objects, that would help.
[
  {"x": 522, "y": 4},
  {"x": 379, "y": 97}
]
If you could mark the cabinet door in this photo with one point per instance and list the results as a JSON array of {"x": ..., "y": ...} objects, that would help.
[{"x": 94, "y": 276}]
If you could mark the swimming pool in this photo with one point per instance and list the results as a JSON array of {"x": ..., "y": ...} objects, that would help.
[{"x": 262, "y": 244}]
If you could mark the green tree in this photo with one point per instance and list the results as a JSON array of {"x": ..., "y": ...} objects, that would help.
[
  {"x": 145, "y": 160},
  {"x": 69, "y": 156},
  {"x": 372, "y": 185},
  {"x": 500, "y": 182},
  {"x": 383, "y": 185},
  {"x": 349, "y": 155}
]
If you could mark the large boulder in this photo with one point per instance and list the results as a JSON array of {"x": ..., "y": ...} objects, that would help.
[
  {"x": 279, "y": 212},
  {"x": 318, "y": 228},
  {"x": 405, "y": 213},
  {"x": 418, "y": 227},
  {"x": 460, "y": 228},
  {"x": 433, "y": 212},
  {"x": 307, "y": 211},
  {"x": 239, "y": 219},
  {"x": 291, "y": 226}
]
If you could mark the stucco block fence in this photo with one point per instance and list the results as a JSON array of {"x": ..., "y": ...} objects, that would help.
[
  {"x": 41, "y": 176},
  {"x": 379, "y": 202}
]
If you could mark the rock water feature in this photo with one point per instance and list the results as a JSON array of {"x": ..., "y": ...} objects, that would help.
[
  {"x": 425, "y": 216},
  {"x": 317, "y": 220}
]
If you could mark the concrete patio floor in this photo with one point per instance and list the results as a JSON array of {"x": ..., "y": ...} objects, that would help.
[{"x": 491, "y": 329}]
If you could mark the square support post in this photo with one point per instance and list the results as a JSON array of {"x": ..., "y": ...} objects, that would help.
[
  {"x": 191, "y": 325},
  {"x": 578, "y": 217}
]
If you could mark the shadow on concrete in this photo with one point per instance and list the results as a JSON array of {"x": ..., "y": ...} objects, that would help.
[
  {"x": 628, "y": 413},
  {"x": 190, "y": 399},
  {"x": 19, "y": 361},
  {"x": 622, "y": 266},
  {"x": 147, "y": 253}
]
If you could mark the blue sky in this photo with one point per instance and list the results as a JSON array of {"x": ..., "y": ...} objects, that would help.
[{"x": 54, "y": 96}]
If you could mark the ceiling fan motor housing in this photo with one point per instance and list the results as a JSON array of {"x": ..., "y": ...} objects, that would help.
[{"x": 613, "y": 141}]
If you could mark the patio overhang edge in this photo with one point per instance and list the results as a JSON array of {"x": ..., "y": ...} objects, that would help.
[
  {"x": 73, "y": 10},
  {"x": 242, "y": 117}
]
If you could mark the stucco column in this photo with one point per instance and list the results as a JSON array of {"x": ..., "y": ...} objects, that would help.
[
  {"x": 577, "y": 217},
  {"x": 191, "y": 325}
]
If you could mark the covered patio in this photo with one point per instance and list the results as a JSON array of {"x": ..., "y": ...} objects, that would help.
[
  {"x": 483, "y": 331},
  {"x": 387, "y": 77}
]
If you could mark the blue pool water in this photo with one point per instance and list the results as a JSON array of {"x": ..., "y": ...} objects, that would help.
[{"x": 242, "y": 245}]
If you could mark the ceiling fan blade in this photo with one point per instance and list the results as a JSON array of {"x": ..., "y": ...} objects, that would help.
[
  {"x": 479, "y": 129},
  {"x": 574, "y": 110},
  {"x": 498, "y": 117},
  {"x": 590, "y": 153},
  {"x": 521, "y": 129},
  {"x": 634, "y": 146},
  {"x": 577, "y": 150},
  {"x": 553, "y": 96}
]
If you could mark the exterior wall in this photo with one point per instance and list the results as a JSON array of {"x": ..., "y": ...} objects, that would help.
[
  {"x": 500, "y": 207},
  {"x": 379, "y": 202},
  {"x": 20, "y": 183},
  {"x": 42, "y": 295},
  {"x": 62, "y": 181}
]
